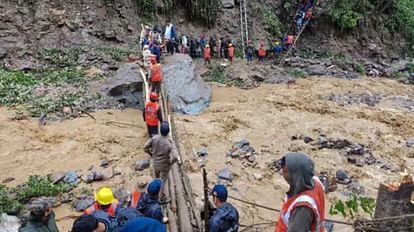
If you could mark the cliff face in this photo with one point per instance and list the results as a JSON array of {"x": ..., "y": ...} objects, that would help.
[{"x": 31, "y": 25}]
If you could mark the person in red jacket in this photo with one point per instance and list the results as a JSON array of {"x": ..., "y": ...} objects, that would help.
[
  {"x": 262, "y": 53},
  {"x": 155, "y": 75},
  {"x": 230, "y": 52},
  {"x": 207, "y": 54},
  {"x": 152, "y": 114},
  {"x": 304, "y": 206}
]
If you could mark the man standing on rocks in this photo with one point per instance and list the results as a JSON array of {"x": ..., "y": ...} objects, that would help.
[
  {"x": 225, "y": 217},
  {"x": 304, "y": 207},
  {"x": 41, "y": 219},
  {"x": 207, "y": 55},
  {"x": 152, "y": 114},
  {"x": 164, "y": 154}
]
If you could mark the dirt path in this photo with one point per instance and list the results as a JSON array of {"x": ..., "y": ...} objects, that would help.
[{"x": 270, "y": 115}]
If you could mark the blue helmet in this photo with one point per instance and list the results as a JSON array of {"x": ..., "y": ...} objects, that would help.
[{"x": 165, "y": 128}]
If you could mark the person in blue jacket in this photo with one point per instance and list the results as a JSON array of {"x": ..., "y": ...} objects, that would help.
[
  {"x": 225, "y": 218},
  {"x": 144, "y": 224},
  {"x": 156, "y": 50},
  {"x": 148, "y": 203}
]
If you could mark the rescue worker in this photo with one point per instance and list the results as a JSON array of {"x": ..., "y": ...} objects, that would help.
[
  {"x": 261, "y": 53},
  {"x": 277, "y": 48},
  {"x": 193, "y": 48},
  {"x": 230, "y": 52},
  {"x": 155, "y": 75},
  {"x": 164, "y": 155},
  {"x": 152, "y": 114},
  {"x": 41, "y": 218},
  {"x": 304, "y": 207},
  {"x": 223, "y": 48},
  {"x": 104, "y": 201},
  {"x": 88, "y": 223},
  {"x": 146, "y": 54},
  {"x": 207, "y": 55},
  {"x": 249, "y": 51},
  {"x": 144, "y": 224},
  {"x": 156, "y": 50},
  {"x": 308, "y": 16},
  {"x": 148, "y": 203},
  {"x": 213, "y": 43},
  {"x": 288, "y": 41},
  {"x": 226, "y": 217},
  {"x": 300, "y": 16}
]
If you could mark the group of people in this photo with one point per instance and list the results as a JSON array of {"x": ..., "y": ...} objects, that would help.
[{"x": 303, "y": 209}]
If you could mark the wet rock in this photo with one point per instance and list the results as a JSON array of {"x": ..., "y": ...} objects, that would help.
[
  {"x": 349, "y": 99},
  {"x": 227, "y": 4},
  {"x": 334, "y": 143},
  {"x": 352, "y": 76},
  {"x": 84, "y": 203},
  {"x": 8, "y": 180},
  {"x": 409, "y": 142},
  {"x": 343, "y": 177},
  {"x": 110, "y": 34},
  {"x": 142, "y": 182},
  {"x": 126, "y": 86},
  {"x": 90, "y": 177},
  {"x": 242, "y": 150},
  {"x": 307, "y": 139},
  {"x": 71, "y": 177},
  {"x": 258, "y": 77},
  {"x": 67, "y": 198},
  {"x": 356, "y": 188},
  {"x": 202, "y": 152},
  {"x": 317, "y": 70},
  {"x": 57, "y": 177},
  {"x": 104, "y": 163},
  {"x": 359, "y": 162},
  {"x": 258, "y": 176},
  {"x": 179, "y": 74},
  {"x": 9, "y": 223},
  {"x": 141, "y": 165},
  {"x": 225, "y": 174}
]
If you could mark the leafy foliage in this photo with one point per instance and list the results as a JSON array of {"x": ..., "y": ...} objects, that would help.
[
  {"x": 61, "y": 58},
  {"x": 297, "y": 73},
  {"x": 146, "y": 9},
  {"x": 402, "y": 18},
  {"x": 351, "y": 207},
  {"x": 217, "y": 75},
  {"x": 117, "y": 54},
  {"x": 271, "y": 21},
  {"x": 13, "y": 199}
]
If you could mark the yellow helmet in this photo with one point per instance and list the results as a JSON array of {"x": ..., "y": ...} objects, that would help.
[
  {"x": 104, "y": 196},
  {"x": 207, "y": 46}
]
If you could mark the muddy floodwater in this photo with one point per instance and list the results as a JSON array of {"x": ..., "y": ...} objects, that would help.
[{"x": 268, "y": 117}]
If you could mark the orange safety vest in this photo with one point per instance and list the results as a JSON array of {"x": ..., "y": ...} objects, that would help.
[
  {"x": 151, "y": 113},
  {"x": 231, "y": 52},
  {"x": 156, "y": 75},
  {"x": 290, "y": 39},
  {"x": 314, "y": 199},
  {"x": 95, "y": 207},
  {"x": 262, "y": 52},
  {"x": 207, "y": 53},
  {"x": 135, "y": 199}
]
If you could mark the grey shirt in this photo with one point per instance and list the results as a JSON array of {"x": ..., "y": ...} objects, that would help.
[
  {"x": 162, "y": 150},
  {"x": 301, "y": 219}
]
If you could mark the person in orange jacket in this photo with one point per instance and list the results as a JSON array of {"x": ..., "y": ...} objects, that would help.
[
  {"x": 152, "y": 114},
  {"x": 304, "y": 207},
  {"x": 155, "y": 75},
  {"x": 230, "y": 51},
  {"x": 207, "y": 54},
  {"x": 262, "y": 53},
  {"x": 104, "y": 201}
]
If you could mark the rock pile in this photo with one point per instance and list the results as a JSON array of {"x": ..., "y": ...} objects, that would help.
[
  {"x": 349, "y": 99},
  {"x": 243, "y": 151}
]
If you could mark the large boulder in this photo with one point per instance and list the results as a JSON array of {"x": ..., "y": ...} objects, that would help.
[
  {"x": 188, "y": 92},
  {"x": 228, "y": 3},
  {"x": 9, "y": 223},
  {"x": 126, "y": 86}
]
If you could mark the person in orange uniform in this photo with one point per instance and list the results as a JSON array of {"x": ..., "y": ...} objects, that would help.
[
  {"x": 288, "y": 41},
  {"x": 104, "y": 201},
  {"x": 207, "y": 54},
  {"x": 152, "y": 114},
  {"x": 304, "y": 206},
  {"x": 262, "y": 53},
  {"x": 230, "y": 52},
  {"x": 155, "y": 75}
]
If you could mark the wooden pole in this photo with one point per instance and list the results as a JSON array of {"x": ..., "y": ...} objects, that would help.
[{"x": 206, "y": 213}]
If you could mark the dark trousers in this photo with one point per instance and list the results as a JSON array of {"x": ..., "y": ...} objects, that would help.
[
  {"x": 156, "y": 87},
  {"x": 152, "y": 130},
  {"x": 207, "y": 60}
]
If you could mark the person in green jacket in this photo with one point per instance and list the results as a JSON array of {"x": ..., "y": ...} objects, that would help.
[{"x": 41, "y": 218}]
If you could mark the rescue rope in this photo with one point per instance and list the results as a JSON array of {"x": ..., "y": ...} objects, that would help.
[{"x": 256, "y": 224}]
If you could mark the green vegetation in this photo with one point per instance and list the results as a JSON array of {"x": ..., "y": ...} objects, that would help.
[
  {"x": 61, "y": 58},
  {"x": 118, "y": 54},
  {"x": 13, "y": 199},
  {"x": 360, "y": 68},
  {"x": 217, "y": 75},
  {"x": 352, "y": 207},
  {"x": 402, "y": 19},
  {"x": 297, "y": 73},
  {"x": 146, "y": 9},
  {"x": 270, "y": 21}
]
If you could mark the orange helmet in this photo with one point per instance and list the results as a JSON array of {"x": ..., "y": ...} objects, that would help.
[{"x": 153, "y": 96}]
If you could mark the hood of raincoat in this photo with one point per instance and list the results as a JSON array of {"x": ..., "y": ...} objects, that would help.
[{"x": 301, "y": 171}]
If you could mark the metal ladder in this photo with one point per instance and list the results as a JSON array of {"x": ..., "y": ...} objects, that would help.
[{"x": 244, "y": 29}]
